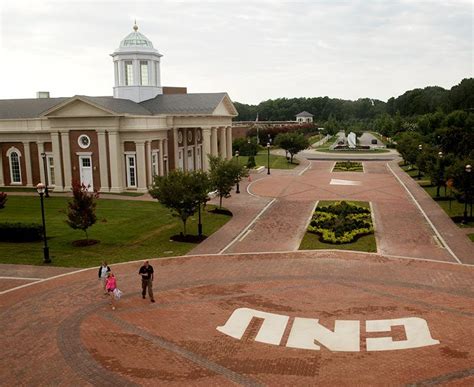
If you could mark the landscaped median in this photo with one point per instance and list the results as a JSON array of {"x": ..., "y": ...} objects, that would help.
[
  {"x": 340, "y": 225},
  {"x": 127, "y": 230},
  {"x": 348, "y": 166}
]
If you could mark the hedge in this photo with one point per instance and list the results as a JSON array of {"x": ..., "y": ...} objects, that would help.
[{"x": 20, "y": 232}]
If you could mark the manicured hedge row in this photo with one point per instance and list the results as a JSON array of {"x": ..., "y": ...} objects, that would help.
[
  {"x": 20, "y": 232},
  {"x": 341, "y": 222}
]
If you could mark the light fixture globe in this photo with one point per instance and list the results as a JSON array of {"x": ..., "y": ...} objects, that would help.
[
  {"x": 40, "y": 188},
  {"x": 468, "y": 168}
]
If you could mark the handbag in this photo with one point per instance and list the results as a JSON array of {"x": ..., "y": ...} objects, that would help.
[{"x": 117, "y": 293}]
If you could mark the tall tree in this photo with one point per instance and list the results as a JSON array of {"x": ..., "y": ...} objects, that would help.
[
  {"x": 292, "y": 143},
  {"x": 182, "y": 192},
  {"x": 224, "y": 175},
  {"x": 81, "y": 210}
]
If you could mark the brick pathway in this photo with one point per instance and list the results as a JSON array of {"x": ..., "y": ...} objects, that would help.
[{"x": 66, "y": 326}]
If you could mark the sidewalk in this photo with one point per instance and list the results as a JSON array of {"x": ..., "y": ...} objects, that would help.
[{"x": 454, "y": 237}]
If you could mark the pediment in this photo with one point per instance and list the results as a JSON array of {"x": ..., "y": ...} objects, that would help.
[
  {"x": 77, "y": 108},
  {"x": 225, "y": 108}
]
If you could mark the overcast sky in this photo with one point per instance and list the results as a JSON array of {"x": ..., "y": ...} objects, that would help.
[{"x": 253, "y": 50}]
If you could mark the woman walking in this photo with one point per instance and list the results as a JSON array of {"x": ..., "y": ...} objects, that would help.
[
  {"x": 110, "y": 286},
  {"x": 103, "y": 272}
]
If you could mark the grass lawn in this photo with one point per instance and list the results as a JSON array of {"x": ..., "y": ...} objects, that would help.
[
  {"x": 348, "y": 166},
  {"x": 127, "y": 230},
  {"x": 315, "y": 138},
  {"x": 276, "y": 162},
  {"x": 453, "y": 208},
  {"x": 366, "y": 243},
  {"x": 471, "y": 237}
]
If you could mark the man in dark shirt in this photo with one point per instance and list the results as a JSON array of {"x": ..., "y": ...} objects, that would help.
[{"x": 146, "y": 271}]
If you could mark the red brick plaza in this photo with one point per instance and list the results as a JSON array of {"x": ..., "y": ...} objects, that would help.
[{"x": 247, "y": 308}]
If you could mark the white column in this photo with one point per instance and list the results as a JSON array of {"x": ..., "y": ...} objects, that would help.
[
  {"x": 222, "y": 144},
  {"x": 175, "y": 147},
  {"x": 206, "y": 148},
  {"x": 160, "y": 157},
  {"x": 214, "y": 150},
  {"x": 165, "y": 152},
  {"x": 40, "y": 145},
  {"x": 141, "y": 166},
  {"x": 29, "y": 175},
  {"x": 148, "y": 161},
  {"x": 116, "y": 158},
  {"x": 229, "y": 142},
  {"x": 58, "y": 176},
  {"x": 104, "y": 175},
  {"x": 66, "y": 160}
]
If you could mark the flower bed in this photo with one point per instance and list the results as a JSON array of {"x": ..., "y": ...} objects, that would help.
[
  {"x": 341, "y": 222},
  {"x": 348, "y": 166}
]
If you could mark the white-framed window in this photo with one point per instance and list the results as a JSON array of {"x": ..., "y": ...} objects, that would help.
[
  {"x": 154, "y": 163},
  {"x": 84, "y": 141},
  {"x": 50, "y": 168},
  {"x": 14, "y": 156},
  {"x": 131, "y": 171},
  {"x": 128, "y": 72},
  {"x": 143, "y": 73},
  {"x": 157, "y": 74}
]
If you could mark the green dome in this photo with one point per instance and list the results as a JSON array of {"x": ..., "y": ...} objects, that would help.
[{"x": 136, "y": 39}]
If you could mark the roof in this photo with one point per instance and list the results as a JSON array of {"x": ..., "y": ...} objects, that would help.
[
  {"x": 136, "y": 39},
  {"x": 197, "y": 103},
  {"x": 304, "y": 114},
  {"x": 171, "y": 104}
]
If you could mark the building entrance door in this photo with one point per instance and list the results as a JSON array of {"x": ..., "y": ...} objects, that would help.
[
  {"x": 85, "y": 166},
  {"x": 190, "y": 159}
]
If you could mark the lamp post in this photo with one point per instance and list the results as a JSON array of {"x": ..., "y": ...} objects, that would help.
[
  {"x": 41, "y": 190},
  {"x": 467, "y": 191},
  {"x": 45, "y": 169},
  {"x": 440, "y": 172},
  {"x": 420, "y": 148},
  {"x": 238, "y": 187},
  {"x": 268, "y": 158}
]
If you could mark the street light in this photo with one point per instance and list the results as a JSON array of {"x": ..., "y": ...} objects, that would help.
[
  {"x": 237, "y": 156},
  {"x": 268, "y": 158},
  {"x": 467, "y": 191},
  {"x": 41, "y": 190},
  {"x": 440, "y": 172},
  {"x": 420, "y": 148},
  {"x": 45, "y": 169}
]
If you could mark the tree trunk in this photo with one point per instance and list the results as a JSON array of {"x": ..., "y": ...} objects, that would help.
[
  {"x": 184, "y": 227},
  {"x": 220, "y": 201},
  {"x": 291, "y": 158},
  {"x": 87, "y": 235}
]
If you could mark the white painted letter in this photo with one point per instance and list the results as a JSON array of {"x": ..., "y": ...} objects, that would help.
[
  {"x": 270, "y": 332},
  {"x": 305, "y": 331},
  {"x": 416, "y": 329}
]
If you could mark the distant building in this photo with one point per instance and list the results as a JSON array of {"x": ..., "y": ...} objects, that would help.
[
  {"x": 118, "y": 143},
  {"x": 304, "y": 117}
]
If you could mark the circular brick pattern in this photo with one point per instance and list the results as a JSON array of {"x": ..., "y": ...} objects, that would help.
[{"x": 176, "y": 340}]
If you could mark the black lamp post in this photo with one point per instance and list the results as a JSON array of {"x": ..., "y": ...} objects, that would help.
[
  {"x": 41, "y": 190},
  {"x": 237, "y": 156},
  {"x": 45, "y": 168},
  {"x": 420, "y": 148},
  {"x": 268, "y": 158},
  {"x": 440, "y": 172},
  {"x": 467, "y": 191}
]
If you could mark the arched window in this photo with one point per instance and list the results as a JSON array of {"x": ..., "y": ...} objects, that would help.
[{"x": 14, "y": 155}]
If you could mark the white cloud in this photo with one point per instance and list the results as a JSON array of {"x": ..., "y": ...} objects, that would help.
[{"x": 253, "y": 50}]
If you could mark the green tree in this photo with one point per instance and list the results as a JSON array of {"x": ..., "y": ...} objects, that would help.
[
  {"x": 81, "y": 210},
  {"x": 224, "y": 175},
  {"x": 3, "y": 199},
  {"x": 292, "y": 143},
  {"x": 407, "y": 146},
  {"x": 462, "y": 183},
  {"x": 182, "y": 192}
]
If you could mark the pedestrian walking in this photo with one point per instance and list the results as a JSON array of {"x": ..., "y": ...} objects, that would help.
[
  {"x": 147, "y": 274},
  {"x": 103, "y": 273},
  {"x": 110, "y": 286}
]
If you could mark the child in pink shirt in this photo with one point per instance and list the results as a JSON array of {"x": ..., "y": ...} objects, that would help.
[{"x": 110, "y": 286}]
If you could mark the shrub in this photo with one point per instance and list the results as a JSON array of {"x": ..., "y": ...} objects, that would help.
[
  {"x": 20, "y": 232},
  {"x": 3, "y": 199},
  {"x": 251, "y": 162}
]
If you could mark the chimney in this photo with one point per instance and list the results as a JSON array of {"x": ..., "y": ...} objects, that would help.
[{"x": 42, "y": 94}]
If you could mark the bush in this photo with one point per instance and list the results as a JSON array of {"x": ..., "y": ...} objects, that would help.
[
  {"x": 341, "y": 222},
  {"x": 251, "y": 162},
  {"x": 20, "y": 232}
]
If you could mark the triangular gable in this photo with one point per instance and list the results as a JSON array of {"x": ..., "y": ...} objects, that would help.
[
  {"x": 77, "y": 107},
  {"x": 225, "y": 108}
]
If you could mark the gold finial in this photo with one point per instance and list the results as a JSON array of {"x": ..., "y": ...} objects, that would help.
[{"x": 135, "y": 27}]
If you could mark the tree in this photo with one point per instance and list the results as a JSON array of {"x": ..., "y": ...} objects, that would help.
[
  {"x": 407, "y": 146},
  {"x": 3, "y": 199},
  {"x": 182, "y": 192},
  {"x": 81, "y": 210},
  {"x": 224, "y": 175},
  {"x": 292, "y": 143}
]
